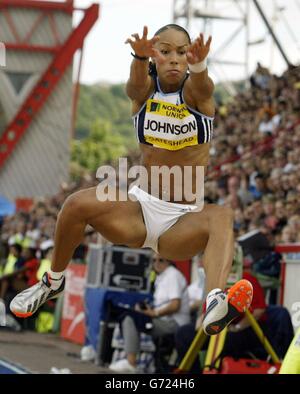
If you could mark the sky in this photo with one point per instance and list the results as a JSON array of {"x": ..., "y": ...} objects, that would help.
[{"x": 107, "y": 58}]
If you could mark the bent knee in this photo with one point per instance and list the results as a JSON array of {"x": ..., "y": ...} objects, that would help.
[
  {"x": 72, "y": 203},
  {"x": 76, "y": 204}
]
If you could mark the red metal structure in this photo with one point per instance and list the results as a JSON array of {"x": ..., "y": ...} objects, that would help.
[{"x": 63, "y": 55}]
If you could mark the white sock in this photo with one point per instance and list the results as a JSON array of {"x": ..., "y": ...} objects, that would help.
[{"x": 56, "y": 278}]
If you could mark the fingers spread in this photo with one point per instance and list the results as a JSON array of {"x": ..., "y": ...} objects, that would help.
[
  {"x": 136, "y": 36},
  {"x": 145, "y": 32},
  {"x": 154, "y": 40},
  {"x": 208, "y": 41},
  {"x": 201, "y": 40}
]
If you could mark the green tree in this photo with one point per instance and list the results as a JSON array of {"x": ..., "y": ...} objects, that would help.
[{"x": 102, "y": 146}]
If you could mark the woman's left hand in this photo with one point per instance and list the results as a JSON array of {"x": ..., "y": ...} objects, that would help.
[{"x": 198, "y": 50}]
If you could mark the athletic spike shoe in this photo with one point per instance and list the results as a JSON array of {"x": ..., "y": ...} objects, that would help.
[
  {"x": 222, "y": 308},
  {"x": 28, "y": 301}
]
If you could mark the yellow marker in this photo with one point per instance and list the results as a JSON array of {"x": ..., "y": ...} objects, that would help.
[
  {"x": 215, "y": 347},
  {"x": 291, "y": 361}
]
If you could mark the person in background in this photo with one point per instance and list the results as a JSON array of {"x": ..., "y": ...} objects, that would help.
[
  {"x": 170, "y": 310},
  {"x": 46, "y": 251},
  {"x": 13, "y": 271},
  {"x": 31, "y": 264},
  {"x": 196, "y": 291}
]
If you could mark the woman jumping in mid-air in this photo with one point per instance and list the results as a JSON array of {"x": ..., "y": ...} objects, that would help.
[{"x": 173, "y": 111}]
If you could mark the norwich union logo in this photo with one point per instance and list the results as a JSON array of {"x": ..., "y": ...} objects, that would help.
[
  {"x": 154, "y": 107},
  {"x": 2, "y": 55}
]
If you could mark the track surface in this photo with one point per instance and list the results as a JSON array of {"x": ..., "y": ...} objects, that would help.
[{"x": 39, "y": 352}]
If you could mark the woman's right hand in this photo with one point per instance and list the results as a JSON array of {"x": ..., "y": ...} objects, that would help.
[{"x": 144, "y": 47}]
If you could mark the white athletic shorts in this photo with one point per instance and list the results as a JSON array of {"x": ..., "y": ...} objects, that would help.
[{"x": 159, "y": 215}]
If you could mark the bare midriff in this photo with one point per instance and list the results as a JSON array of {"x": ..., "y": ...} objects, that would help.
[{"x": 192, "y": 156}]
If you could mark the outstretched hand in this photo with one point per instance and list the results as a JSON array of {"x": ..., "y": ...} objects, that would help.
[
  {"x": 144, "y": 47},
  {"x": 198, "y": 50}
]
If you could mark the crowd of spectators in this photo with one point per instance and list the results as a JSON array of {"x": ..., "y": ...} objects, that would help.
[
  {"x": 27, "y": 240},
  {"x": 254, "y": 165},
  {"x": 37, "y": 225}
]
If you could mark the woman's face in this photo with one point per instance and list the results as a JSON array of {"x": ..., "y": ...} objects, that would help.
[{"x": 172, "y": 67}]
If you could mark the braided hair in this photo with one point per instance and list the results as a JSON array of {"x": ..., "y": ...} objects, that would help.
[{"x": 152, "y": 66}]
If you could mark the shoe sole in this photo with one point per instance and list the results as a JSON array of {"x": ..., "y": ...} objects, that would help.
[
  {"x": 239, "y": 299},
  {"x": 22, "y": 315},
  {"x": 240, "y": 295}
]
